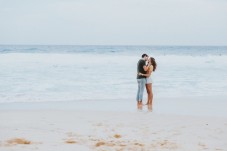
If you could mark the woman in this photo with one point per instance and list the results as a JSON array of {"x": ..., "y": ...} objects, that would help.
[{"x": 152, "y": 67}]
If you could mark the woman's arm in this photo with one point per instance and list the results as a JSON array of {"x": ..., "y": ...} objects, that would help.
[
  {"x": 149, "y": 72},
  {"x": 146, "y": 67}
]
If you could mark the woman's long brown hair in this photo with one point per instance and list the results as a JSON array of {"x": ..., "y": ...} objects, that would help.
[{"x": 153, "y": 62}]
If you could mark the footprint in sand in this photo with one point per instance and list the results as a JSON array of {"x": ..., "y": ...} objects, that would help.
[
  {"x": 99, "y": 124},
  {"x": 103, "y": 143},
  {"x": 100, "y": 144},
  {"x": 218, "y": 149},
  {"x": 70, "y": 141},
  {"x": 117, "y": 136},
  {"x": 164, "y": 144},
  {"x": 202, "y": 145},
  {"x": 16, "y": 141},
  {"x": 139, "y": 144}
]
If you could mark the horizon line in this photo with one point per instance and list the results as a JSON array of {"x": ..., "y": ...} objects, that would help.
[{"x": 112, "y": 45}]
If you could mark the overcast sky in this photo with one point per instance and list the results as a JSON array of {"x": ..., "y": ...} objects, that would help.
[{"x": 109, "y": 22}]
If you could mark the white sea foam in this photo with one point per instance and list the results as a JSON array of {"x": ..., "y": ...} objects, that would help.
[{"x": 35, "y": 77}]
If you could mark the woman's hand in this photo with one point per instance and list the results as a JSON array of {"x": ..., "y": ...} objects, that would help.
[{"x": 149, "y": 64}]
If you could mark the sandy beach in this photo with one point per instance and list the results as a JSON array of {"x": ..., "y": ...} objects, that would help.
[
  {"x": 57, "y": 130},
  {"x": 75, "y": 75}
]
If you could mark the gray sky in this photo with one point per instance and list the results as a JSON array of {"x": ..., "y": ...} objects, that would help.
[{"x": 109, "y": 22}]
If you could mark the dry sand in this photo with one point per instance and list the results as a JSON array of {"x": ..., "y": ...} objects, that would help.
[{"x": 58, "y": 130}]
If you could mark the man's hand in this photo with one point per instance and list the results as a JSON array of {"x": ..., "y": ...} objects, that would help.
[{"x": 140, "y": 73}]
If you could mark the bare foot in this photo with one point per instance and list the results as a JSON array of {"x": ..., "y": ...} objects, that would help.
[
  {"x": 139, "y": 105},
  {"x": 149, "y": 107}
]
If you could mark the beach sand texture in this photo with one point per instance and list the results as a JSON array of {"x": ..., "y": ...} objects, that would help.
[{"x": 57, "y": 130}]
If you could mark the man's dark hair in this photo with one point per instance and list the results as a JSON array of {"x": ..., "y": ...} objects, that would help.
[{"x": 144, "y": 55}]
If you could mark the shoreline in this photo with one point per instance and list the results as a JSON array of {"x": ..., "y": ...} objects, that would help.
[{"x": 194, "y": 106}]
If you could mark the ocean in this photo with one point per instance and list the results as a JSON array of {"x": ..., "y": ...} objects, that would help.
[{"x": 37, "y": 73}]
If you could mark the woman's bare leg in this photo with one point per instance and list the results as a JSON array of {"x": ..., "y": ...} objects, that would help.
[
  {"x": 151, "y": 95},
  {"x": 148, "y": 88}
]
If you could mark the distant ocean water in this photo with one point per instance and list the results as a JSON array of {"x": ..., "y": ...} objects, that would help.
[{"x": 70, "y": 73}]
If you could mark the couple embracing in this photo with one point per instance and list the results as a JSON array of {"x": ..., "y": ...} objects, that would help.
[{"x": 145, "y": 66}]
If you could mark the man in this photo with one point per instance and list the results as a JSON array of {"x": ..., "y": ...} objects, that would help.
[{"x": 141, "y": 80}]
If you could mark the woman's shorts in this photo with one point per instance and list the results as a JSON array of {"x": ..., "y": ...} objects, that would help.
[{"x": 148, "y": 80}]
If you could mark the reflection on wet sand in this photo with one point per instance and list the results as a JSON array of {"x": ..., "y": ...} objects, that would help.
[{"x": 140, "y": 107}]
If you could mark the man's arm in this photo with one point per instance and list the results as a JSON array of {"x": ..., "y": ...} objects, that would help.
[{"x": 149, "y": 73}]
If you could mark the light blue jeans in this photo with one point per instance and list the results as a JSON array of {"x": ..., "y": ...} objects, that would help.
[{"x": 141, "y": 85}]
